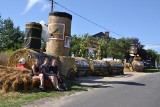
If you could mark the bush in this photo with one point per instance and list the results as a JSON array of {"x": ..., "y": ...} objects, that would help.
[{"x": 4, "y": 57}]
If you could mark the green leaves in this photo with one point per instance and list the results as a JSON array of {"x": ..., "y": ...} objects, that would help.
[
  {"x": 105, "y": 47},
  {"x": 10, "y": 36}
]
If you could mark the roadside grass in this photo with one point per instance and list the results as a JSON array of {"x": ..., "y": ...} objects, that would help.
[
  {"x": 16, "y": 99},
  {"x": 153, "y": 70}
]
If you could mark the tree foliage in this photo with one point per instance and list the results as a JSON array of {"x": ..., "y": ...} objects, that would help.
[
  {"x": 108, "y": 47},
  {"x": 11, "y": 37},
  {"x": 79, "y": 45},
  {"x": 152, "y": 55}
]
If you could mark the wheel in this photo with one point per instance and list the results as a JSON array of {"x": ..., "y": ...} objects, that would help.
[
  {"x": 86, "y": 74},
  {"x": 122, "y": 72},
  {"x": 71, "y": 75}
]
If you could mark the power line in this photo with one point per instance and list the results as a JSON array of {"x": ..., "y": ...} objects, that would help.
[
  {"x": 94, "y": 22},
  {"x": 88, "y": 19}
]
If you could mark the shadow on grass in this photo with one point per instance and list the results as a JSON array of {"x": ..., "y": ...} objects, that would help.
[{"x": 77, "y": 86}]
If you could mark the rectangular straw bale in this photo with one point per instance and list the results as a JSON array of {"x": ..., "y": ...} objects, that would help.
[
  {"x": 61, "y": 20},
  {"x": 56, "y": 48},
  {"x": 65, "y": 64}
]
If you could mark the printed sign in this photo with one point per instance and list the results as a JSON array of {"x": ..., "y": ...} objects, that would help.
[
  {"x": 57, "y": 30},
  {"x": 67, "y": 41}
]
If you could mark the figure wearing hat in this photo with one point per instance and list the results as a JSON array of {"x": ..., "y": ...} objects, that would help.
[{"x": 22, "y": 64}]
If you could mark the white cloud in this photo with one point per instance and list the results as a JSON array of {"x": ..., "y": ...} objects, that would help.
[
  {"x": 31, "y": 3},
  {"x": 45, "y": 6},
  {"x": 153, "y": 47}
]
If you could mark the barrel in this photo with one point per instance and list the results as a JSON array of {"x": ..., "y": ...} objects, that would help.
[
  {"x": 59, "y": 26},
  {"x": 32, "y": 38}
]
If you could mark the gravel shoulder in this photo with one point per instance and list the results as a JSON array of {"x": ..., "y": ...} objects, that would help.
[{"x": 88, "y": 81}]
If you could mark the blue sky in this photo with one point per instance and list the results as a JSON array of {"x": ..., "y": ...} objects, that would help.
[{"x": 129, "y": 18}]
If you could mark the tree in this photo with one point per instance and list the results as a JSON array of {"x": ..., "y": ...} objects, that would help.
[
  {"x": 118, "y": 48},
  {"x": 75, "y": 45},
  {"x": 10, "y": 37},
  {"x": 79, "y": 45},
  {"x": 152, "y": 55}
]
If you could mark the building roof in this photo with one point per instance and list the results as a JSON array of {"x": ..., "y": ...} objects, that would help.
[{"x": 99, "y": 35}]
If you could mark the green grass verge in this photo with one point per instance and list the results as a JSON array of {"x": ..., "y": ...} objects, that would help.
[
  {"x": 151, "y": 70},
  {"x": 16, "y": 99}
]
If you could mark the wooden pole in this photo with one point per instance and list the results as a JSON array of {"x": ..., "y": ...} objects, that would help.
[{"x": 52, "y": 2}]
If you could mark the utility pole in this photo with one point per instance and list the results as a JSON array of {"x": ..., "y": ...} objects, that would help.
[
  {"x": 52, "y": 2},
  {"x": 158, "y": 62}
]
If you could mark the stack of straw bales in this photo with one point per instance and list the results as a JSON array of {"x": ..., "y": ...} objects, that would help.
[
  {"x": 59, "y": 18},
  {"x": 59, "y": 26},
  {"x": 56, "y": 48},
  {"x": 128, "y": 67},
  {"x": 66, "y": 65}
]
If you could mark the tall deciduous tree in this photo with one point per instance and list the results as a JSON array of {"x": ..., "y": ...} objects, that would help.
[
  {"x": 152, "y": 55},
  {"x": 10, "y": 36}
]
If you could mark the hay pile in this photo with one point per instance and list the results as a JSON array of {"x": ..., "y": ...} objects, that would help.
[
  {"x": 137, "y": 58},
  {"x": 128, "y": 67},
  {"x": 13, "y": 79}
]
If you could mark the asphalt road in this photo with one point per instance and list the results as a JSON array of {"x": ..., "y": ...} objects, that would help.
[{"x": 142, "y": 92}]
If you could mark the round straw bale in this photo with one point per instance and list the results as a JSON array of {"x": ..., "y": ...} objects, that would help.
[
  {"x": 29, "y": 56},
  {"x": 138, "y": 66}
]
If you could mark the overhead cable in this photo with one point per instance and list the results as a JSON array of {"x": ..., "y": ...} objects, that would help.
[{"x": 88, "y": 20}]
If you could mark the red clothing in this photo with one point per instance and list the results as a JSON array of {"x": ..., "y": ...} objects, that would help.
[{"x": 21, "y": 66}]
